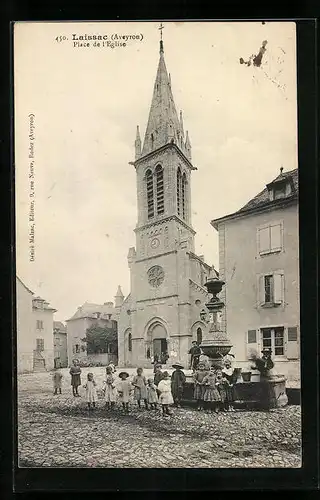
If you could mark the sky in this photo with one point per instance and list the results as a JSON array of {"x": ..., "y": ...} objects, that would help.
[{"x": 87, "y": 102}]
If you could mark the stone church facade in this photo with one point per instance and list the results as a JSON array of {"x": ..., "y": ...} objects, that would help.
[{"x": 161, "y": 315}]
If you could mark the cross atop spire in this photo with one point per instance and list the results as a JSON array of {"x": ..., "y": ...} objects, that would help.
[{"x": 161, "y": 27}]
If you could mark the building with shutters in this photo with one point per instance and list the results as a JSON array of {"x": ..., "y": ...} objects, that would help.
[
  {"x": 259, "y": 262},
  {"x": 35, "y": 349},
  {"x": 161, "y": 315},
  {"x": 87, "y": 316}
]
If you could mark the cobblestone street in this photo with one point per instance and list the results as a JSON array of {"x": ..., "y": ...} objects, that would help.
[{"x": 59, "y": 431}]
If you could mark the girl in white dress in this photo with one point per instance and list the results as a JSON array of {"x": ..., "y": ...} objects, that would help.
[
  {"x": 110, "y": 391},
  {"x": 91, "y": 391},
  {"x": 165, "y": 398}
]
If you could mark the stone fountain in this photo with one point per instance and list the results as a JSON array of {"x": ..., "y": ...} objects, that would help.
[{"x": 216, "y": 344}]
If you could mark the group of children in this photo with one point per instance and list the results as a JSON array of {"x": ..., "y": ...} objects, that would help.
[{"x": 213, "y": 387}]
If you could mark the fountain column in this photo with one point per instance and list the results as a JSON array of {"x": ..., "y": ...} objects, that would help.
[{"x": 216, "y": 344}]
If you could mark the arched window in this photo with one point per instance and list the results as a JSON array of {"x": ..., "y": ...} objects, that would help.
[
  {"x": 199, "y": 335},
  {"x": 152, "y": 141},
  {"x": 178, "y": 190},
  {"x": 149, "y": 182},
  {"x": 130, "y": 342},
  {"x": 184, "y": 194},
  {"x": 160, "y": 192}
]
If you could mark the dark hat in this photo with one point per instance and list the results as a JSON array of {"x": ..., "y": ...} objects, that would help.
[
  {"x": 194, "y": 342},
  {"x": 177, "y": 365},
  {"x": 124, "y": 373},
  {"x": 267, "y": 349}
]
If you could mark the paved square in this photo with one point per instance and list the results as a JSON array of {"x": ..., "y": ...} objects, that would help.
[{"x": 59, "y": 431}]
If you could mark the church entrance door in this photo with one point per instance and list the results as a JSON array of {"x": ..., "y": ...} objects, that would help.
[
  {"x": 156, "y": 342},
  {"x": 160, "y": 349}
]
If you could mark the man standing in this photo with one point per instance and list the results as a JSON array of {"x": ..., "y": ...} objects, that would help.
[{"x": 195, "y": 352}]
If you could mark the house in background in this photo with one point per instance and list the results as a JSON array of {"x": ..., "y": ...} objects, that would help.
[
  {"x": 259, "y": 262},
  {"x": 86, "y": 316},
  {"x": 60, "y": 345},
  {"x": 34, "y": 331}
]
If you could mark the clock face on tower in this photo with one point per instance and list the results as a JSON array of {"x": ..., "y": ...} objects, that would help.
[
  {"x": 155, "y": 276},
  {"x": 154, "y": 243}
]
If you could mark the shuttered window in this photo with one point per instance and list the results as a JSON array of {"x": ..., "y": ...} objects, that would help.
[
  {"x": 273, "y": 338},
  {"x": 270, "y": 289},
  {"x": 252, "y": 336},
  {"x": 292, "y": 334},
  {"x": 293, "y": 349},
  {"x": 270, "y": 238}
]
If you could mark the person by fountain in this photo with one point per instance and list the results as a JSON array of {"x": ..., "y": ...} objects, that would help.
[{"x": 263, "y": 364}]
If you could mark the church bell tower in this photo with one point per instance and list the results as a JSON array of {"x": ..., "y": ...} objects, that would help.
[
  {"x": 163, "y": 167},
  {"x": 158, "y": 314}
]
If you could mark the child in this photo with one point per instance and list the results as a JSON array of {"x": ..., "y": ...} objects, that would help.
[
  {"x": 140, "y": 388},
  {"x": 91, "y": 392},
  {"x": 57, "y": 381},
  {"x": 222, "y": 385},
  {"x": 113, "y": 368},
  {"x": 229, "y": 375},
  {"x": 211, "y": 393},
  {"x": 124, "y": 390},
  {"x": 178, "y": 379},
  {"x": 165, "y": 398},
  {"x": 75, "y": 372},
  {"x": 152, "y": 394},
  {"x": 157, "y": 374},
  {"x": 110, "y": 391},
  {"x": 199, "y": 387}
]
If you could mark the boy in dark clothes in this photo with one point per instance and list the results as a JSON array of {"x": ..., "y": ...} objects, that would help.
[{"x": 178, "y": 379}]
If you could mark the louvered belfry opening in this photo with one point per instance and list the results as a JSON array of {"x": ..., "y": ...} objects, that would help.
[
  {"x": 178, "y": 191},
  {"x": 150, "y": 201},
  {"x": 184, "y": 183},
  {"x": 160, "y": 190}
]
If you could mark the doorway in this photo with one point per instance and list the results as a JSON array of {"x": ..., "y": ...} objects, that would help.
[{"x": 160, "y": 350}]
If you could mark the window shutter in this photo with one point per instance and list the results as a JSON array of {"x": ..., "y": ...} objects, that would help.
[
  {"x": 278, "y": 289},
  {"x": 252, "y": 342},
  {"x": 292, "y": 351},
  {"x": 264, "y": 239},
  {"x": 275, "y": 237},
  {"x": 261, "y": 291}
]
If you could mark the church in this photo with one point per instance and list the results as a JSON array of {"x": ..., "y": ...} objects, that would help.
[{"x": 161, "y": 315}]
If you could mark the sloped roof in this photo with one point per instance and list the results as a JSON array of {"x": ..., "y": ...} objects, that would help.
[
  {"x": 25, "y": 286},
  {"x": 58, "y": 325},
  {"x": 88, "y": 309},
  {"x": 262, "y": 199}
]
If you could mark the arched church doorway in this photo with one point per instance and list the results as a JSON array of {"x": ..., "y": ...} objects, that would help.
[
  {"x": 127, "y": 347},
  {"x": 157, "y": 344}
]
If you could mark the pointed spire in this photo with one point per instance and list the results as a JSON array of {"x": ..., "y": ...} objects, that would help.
[
  {"x": 119, "y": 292},
  {"x": 163, "y": 124},
  {"x": 188, "y": 146},
  {"x": 181, "y": 123},
  {"x": 118, "y": 298},
  {"x": 137, "y": 144}
]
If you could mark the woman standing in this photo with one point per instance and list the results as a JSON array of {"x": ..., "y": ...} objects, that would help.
[{"x": 75, "y": 372}]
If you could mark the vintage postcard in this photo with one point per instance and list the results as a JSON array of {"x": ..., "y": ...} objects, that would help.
[{"x": 157, "y": 239}]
